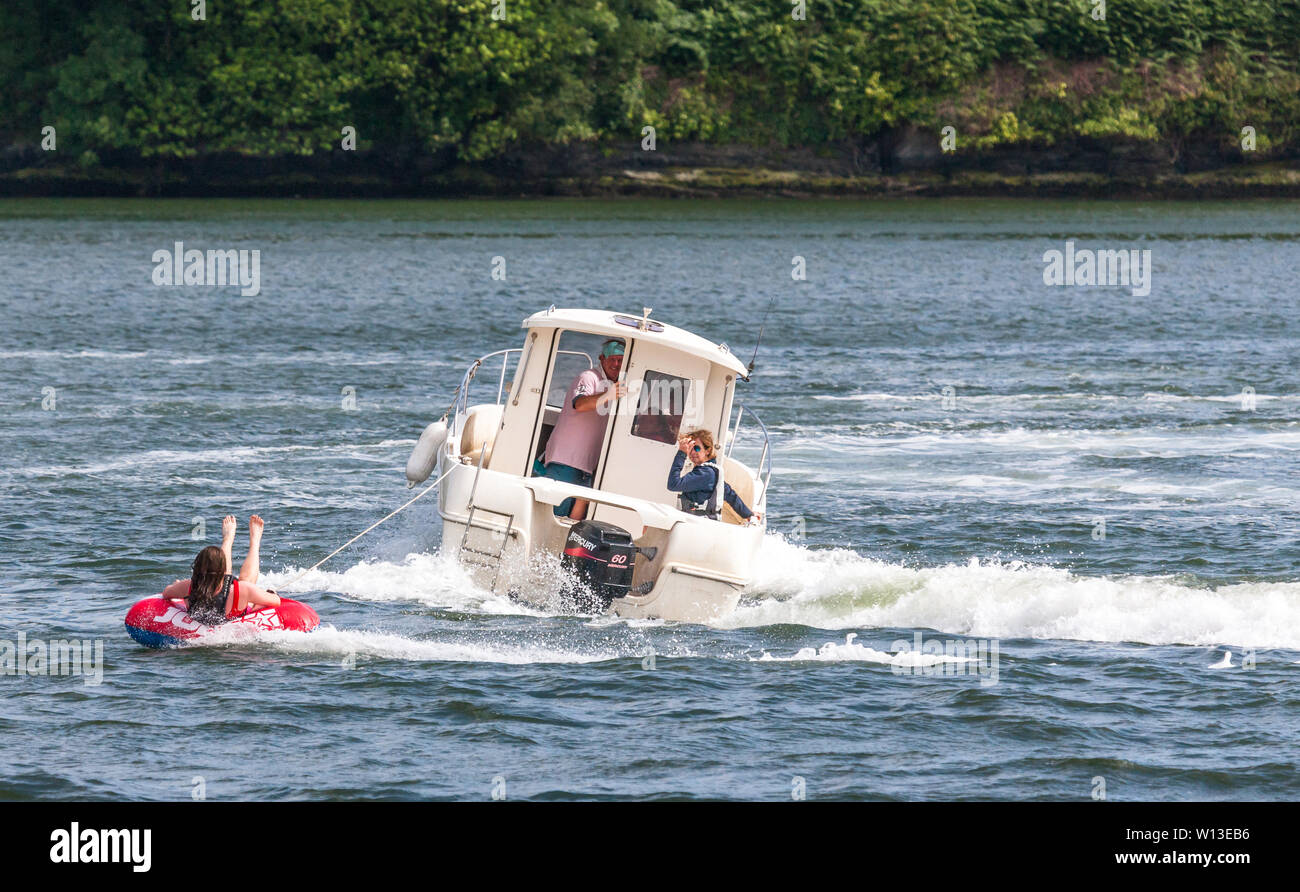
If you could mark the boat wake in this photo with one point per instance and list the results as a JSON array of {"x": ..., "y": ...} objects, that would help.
[
  {"x": 841, "y": 589},
  {"x": 351, "y": 646},
  {"x": 851, "y": 651},
  {"x": 434, "y": 580}
]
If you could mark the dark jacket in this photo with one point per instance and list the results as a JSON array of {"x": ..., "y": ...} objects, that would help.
[{"x": 697, "y": 486}]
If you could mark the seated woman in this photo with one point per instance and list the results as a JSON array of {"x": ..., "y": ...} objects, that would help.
[
  {"x": 213, "y": 594},
  {"x": 699, "y": 488}
]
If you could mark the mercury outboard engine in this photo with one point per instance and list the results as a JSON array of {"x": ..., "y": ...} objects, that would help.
[{"x": 600, "y": 559}]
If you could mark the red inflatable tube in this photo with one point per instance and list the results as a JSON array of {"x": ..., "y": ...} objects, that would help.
[{"x": 163, "y": 622}]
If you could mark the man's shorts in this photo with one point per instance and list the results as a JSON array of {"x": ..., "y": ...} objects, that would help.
[{"x": 564, "y": 474}]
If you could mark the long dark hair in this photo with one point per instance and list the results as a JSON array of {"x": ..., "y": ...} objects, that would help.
[{"x": 207, "y": 599}]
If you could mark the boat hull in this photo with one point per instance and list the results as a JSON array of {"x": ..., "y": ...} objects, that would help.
[{"x": 512, "y": 543}]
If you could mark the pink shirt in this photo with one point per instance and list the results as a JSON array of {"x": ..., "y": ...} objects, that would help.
[{"x": 578, "y": 436}]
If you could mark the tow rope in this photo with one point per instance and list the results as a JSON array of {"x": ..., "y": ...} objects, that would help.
[{"x": 421, "y": 495}]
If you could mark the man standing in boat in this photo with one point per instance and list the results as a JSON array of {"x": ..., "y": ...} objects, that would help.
[{"x": 574, "y": 447}]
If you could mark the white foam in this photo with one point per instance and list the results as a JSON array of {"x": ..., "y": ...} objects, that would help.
[
  {"x": 222, "y": 456},
  {"x": 851, "y": 651},
  {"x": 350, "y": 645},
  {"x": 72, "y": 354},
  {"x": 838, "y": 588},
  {"x": 347, "y": 645},
  {"x": 1157, "y": 397},
  {"x": 1020, "y": 442},
  {"x": 432, "y": 579},
  {"x": 1225, "y": 663},
  {"x": 1026, "y": 399},
  {"x": 841, "y": 589}
]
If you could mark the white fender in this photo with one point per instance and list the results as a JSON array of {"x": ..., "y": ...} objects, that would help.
[{"x": 424, "y": 457}]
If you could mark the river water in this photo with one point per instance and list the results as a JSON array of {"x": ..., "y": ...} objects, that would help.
[{"x": 1099, "y": 486}]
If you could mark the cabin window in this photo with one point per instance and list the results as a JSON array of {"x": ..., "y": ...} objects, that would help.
[
  {"x": 577, "y": 352},
  {"x": 660, "y": 407}
]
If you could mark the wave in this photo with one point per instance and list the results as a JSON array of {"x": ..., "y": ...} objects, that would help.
[
  {"x": 222, "y": 455},
  {"x": 432, "y": 579},
  {"x": 351, "y": 645},
  {"x": 1147, "y": 442},
  {"x": 358, "y": 358},
  {"x": 1024, "y": 399},
  {"x": 841, "y": 589},
  {"x": 851, "y": 651},
  {"x": 72, "y": 354}
]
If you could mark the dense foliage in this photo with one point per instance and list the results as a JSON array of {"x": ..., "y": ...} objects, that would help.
[{"x": 273, "y": 77}]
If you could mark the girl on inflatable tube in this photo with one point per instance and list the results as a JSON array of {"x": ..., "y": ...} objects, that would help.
[{"x": 215, "y": 596}]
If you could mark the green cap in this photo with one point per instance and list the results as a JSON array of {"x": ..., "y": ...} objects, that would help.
[{"x": 611, "y": 348}]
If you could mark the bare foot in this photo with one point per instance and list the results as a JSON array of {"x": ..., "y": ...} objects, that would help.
[
  {"x": 255, "y": 524},
  {"x": 228, "y": 527}
]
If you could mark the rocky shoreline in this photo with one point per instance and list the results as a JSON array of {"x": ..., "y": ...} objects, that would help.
[{"x": 907, "y": 162}]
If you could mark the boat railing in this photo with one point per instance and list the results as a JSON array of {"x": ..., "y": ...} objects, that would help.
[
  {"x": 460, "y": 401},
  {"x": 764, "y": 468}
]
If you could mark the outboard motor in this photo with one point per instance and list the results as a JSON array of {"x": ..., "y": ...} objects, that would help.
[{"x": 600, "y": 558}]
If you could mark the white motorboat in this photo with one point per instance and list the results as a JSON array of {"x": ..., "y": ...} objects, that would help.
[{"x": 500, "y": 517}]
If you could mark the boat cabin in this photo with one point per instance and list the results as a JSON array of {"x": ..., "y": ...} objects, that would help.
[
  {"x": 676, "y": 382},
  {"x": 495, "y": 499}
]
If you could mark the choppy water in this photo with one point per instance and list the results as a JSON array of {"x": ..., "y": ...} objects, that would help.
[{"x": 968, "y": 513}]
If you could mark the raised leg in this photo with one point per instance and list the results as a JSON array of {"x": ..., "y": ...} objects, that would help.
[
  {"x": 251, "y": 569},
  {"x": 228, "y": 539}
]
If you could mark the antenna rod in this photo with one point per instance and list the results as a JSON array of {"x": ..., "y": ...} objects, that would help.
[{"x": 761, "y": 325}]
